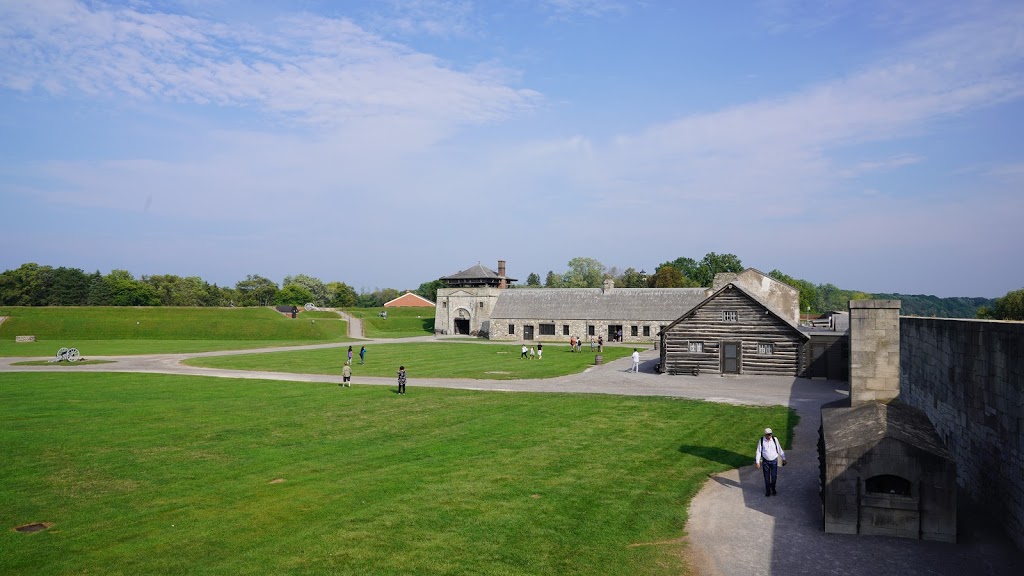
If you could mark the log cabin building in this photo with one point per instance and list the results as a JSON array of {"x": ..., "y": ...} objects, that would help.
[{"x": 733, "y": 332}]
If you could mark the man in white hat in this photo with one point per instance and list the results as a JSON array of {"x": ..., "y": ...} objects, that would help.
[{"x": 769, "y": 452}]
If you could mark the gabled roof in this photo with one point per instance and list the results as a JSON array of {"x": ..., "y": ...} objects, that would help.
[
  {"x": 651, "y": 304},
  {"x": 869, "y": 423},
  {"x": 739, "y": 288},
  {"x": 409, "y": 299}
]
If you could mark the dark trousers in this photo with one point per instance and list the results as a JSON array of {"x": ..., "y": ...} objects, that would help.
[
  {"x": 401, "y": 387},
  {"x": 770, "y": 469}
]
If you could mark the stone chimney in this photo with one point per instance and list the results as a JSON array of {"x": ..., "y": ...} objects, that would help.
[
  {"x": 874, "y": 351},
  {"x": 501, "y": 274},
  {"x": 609, "y": 285}
]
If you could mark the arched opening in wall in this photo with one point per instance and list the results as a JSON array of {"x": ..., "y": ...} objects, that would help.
[
  {"x": 887, "y": 484},
  {"x": 462, "y": 321}
]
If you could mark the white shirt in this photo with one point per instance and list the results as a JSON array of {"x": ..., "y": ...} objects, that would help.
[
  {"x": 636, "y": 357},
  {"x": 768, "y": 450}
]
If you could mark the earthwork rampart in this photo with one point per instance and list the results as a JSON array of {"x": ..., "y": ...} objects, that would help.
[{"x": 968, "y": 376}]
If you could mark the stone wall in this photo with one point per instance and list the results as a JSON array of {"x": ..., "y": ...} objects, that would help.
[
  {"x": 472, "y": 304},
  {"x": 968, "y": 377}
]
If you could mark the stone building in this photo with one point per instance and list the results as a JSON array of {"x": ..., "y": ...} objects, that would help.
[
  {"x": 464, "y": 305},
  {"x": 884, "y": 468},
  {"x": 638, "y": 314}
]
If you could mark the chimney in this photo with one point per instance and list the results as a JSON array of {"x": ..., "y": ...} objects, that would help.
[
  {"x": 874, "y": 351},
  {"x": 609, "y": 285},
  {"x": 501, "y": 274}
]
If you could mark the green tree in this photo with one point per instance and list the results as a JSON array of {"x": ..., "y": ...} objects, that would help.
[
  {"x": 667, "y": 276},
  {"x": 125, "y": 290},
  {"x": 317, "y": 289},
  {"x": 631, "y": 279},
  {"x": 1009, "y": 307},
  {"x": 428, "y": 290},
  {"x": 293, "y": 295},
  {"x": 687, "y": 266},
  {"x": 342, "y": 295},
  {"x": 552, "y": 280},
  {"x": 256, "y": 290},
  {"x": 584, "y": 273},
  {"x": 533, "y": 280},
  {"x": 713, "y": 264}
]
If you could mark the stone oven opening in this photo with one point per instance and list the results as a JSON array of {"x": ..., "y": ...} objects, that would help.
[{"x": 887, "y": 484}]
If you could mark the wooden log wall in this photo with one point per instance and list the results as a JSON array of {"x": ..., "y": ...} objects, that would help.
[{"x": 752, "y": 327}]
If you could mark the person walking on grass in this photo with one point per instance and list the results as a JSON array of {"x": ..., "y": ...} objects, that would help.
[
  {"x": 362, "y": 354},
  {"x": 349, "y": 354},
  {"x": 540, "y": 351},
  {"x": 523, "y": 354},
  {"x": 636, "y": 360},
  {"x": 346, "y": 375},
  {"x": 401, "y": 380},
  {"x": 769, "y": 452},
  {"x": 533, "y": 353}
]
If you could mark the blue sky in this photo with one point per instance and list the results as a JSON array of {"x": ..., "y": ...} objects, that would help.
[{"x": 873, "y": 145}]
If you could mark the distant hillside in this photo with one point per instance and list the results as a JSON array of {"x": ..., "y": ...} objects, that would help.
[{"x": 920, "y": 305}]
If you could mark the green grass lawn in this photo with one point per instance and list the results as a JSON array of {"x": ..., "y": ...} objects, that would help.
[
  {"x": 400, "y": 323},
  {"x": 421, "y": 359},
  {"x": 105, "y": 331},
  {"x": 158, "y": 474}
]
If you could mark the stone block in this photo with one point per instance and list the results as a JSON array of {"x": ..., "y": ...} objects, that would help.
[{"x": 24, "y": 338}]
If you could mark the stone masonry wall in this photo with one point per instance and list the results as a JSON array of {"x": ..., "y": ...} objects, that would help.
[{"x": 968, "y": 377}]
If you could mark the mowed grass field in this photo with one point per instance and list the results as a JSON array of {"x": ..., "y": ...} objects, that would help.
[
  {"x": 159, "y": 474},
  {"x": 421, "y": 360},
  {"x": 401, "y": 322},
  {"x": 152, "y": 330}
]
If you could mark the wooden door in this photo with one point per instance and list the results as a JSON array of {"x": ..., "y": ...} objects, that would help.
[{"x": 730, "y": 357}]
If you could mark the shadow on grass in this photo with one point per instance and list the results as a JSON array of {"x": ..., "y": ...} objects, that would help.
[{"x": 712, "y": 454}]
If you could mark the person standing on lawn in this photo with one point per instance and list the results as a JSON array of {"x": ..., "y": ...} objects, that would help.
[
  {"x": 362, "y": 354},
  {"x": 401, "y": 380},
  {"x": 769, "y": 452},
  {"x": 346, "y": 375},
  {"x": 540, "y": 351},
  {"x": 349, "y": 354}
]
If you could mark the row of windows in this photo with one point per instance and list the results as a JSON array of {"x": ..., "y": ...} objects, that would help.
[
  {"x": 549, "y": 330},
  {"x": 765, "y": 348},
  {"x": 444, "y": 304}
]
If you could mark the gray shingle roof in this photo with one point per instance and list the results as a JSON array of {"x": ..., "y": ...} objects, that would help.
[
  {"x": 473, "y": 272},
  {"x": 660, "y": 304}
]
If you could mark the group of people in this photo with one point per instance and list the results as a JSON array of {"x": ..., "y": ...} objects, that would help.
[
  {"x": 346, "y": 371},
  {"x": 532, "y": 352}
]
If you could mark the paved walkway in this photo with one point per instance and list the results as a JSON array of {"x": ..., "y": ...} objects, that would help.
[{"x": 733, "y": 528}]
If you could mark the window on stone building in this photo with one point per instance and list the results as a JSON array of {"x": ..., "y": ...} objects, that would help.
[
  {"x": 647, "y": 330},
  {"x": 634, "y": 330},
  {"x": 481, "y": 304},
  {"x": 565, "y": 329},
  {"x": 547, "y": 329},
  {"x": 511, "y": 328},
  {"x": 590, "y": 330},
  {"x": 766, "y": 348},
  {"x": 444, "y": 304},
  {"x": 729, "y": 316},
  {"x": 695, "y": 346}
]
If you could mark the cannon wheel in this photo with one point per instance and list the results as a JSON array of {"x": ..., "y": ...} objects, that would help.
[
  {"x": 696, "y": 370},
  {"x": 74, "y": 355}
]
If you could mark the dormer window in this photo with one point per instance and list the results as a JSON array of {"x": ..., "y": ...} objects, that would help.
[{"x": 729, "y": 316}]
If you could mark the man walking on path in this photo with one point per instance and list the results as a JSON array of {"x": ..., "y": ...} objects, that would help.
[
  {"x": 767, "y": 459},
  {"x": 636, "y": 360}
]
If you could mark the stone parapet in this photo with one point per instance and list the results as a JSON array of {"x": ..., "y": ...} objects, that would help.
[{"x": 968, "y": 377}]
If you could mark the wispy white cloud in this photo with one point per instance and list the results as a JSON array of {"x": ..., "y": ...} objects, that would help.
[{"x": 310, "y": 68}]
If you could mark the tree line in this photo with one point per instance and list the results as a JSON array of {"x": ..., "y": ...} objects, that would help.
[
  {"x": 686, "y": 272},
  {"x": 35, "y": 285}
]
